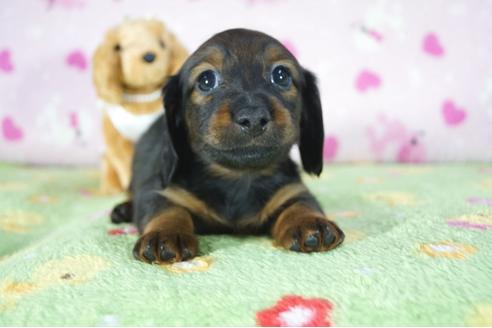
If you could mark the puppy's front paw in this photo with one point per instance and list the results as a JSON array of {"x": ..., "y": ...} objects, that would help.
[
  {"x": 309, "y": 234},
  {"x": 165, "y": 247}
]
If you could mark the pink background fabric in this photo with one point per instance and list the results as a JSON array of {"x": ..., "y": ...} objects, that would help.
[{"x": 403, "y": 81}]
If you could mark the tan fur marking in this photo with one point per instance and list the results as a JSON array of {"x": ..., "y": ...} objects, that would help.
[
  {"x": 184, "y": 198},
  {"x": 301, "y": 217},
  {"x": 219, "y": 121},
  {"x": 282, "y": 195},
  {"x": 174, "y": 219},
  {"x": 281, "y": 115},
  {"x": 295, "y": 212}
]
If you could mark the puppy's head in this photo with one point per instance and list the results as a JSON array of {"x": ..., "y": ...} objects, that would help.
[
  {"x": 138, "y": 54},
  {"x": 241, "y": 101}
]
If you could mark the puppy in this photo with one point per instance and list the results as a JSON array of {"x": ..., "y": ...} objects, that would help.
[
  {"x": 129, "y": 69},
  {"x": 218, "y": 161}
]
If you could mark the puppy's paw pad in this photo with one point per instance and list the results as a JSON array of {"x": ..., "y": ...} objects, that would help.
[
  {"x": 311, "y": 235},
  {"x": 165, "y": 247}
]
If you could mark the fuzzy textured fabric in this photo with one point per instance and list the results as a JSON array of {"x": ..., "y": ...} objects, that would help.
[{"x": 418, "y": 251}]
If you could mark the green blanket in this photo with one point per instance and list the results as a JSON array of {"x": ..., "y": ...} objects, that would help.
[{"x": 418, "y": 251}]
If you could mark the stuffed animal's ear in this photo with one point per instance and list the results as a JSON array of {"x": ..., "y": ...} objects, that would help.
[
  {"x": 107, "y": 69},
  {"x": 178, "y": 51},
  {"x": 312, "y": 131},
  {"x": 178, "y": 54},
  {"x": 175, "y": 116}
]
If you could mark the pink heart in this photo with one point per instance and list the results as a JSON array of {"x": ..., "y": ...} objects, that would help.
[
  {"x": 10, "y": 130},
  {"x": 6, "y": 62},
  {"x": 330, "y": 148},
  {"x": 291, "y": 47},
  {"x": 366, "y": 80},
  {"x": 453, "y": 115},
  {"x": 432, "y": 45},
  {"x": 77, "y": 60}
]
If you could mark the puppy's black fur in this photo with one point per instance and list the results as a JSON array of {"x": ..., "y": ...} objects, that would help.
[{"x": 202, "y": 159}]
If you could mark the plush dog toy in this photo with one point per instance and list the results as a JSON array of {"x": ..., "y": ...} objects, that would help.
[{"x": 129, "y": 69}]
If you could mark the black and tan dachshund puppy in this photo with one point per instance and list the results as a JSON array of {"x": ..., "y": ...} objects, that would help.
[{"x": 218, "y": 161}]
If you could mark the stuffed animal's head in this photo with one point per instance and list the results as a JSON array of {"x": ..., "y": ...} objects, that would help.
[{"x": 136, "y": 56}]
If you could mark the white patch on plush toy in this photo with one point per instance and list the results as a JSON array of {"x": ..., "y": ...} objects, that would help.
[{"x": 129, "y": 125}]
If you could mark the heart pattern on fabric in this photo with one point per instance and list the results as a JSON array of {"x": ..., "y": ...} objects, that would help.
[
  {"x": 10, "y": 130},
  {"x": 452, "y": 114},
  {"x": 367, "y": 80},
  {"x": 6, "y": 64},
  {"x": 432, "y": 45},
  {"x": 77, "y": 60},
  {"x": 330, "y": 148}
]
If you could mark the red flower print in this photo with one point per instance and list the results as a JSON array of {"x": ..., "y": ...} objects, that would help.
[
  {"x": 295, "y": 311},
  {"x": 123, "y": 231}
]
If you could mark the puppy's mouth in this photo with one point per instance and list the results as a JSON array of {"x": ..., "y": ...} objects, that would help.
[{"x": 247, "y": 157}]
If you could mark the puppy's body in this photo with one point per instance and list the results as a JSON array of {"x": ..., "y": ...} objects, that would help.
[
  {"x": 218, "y": 162},
  {"x": 237, "y": 200}
]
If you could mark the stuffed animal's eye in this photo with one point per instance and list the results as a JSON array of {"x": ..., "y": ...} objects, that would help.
[
  {"x": 162, "y": 44},
  {"x": 207, "y": 81},
  {"x": 117, "y": 47},
  {"x": 281, "y": 76}
]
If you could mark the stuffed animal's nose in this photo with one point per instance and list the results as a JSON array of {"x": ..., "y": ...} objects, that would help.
[
  {"x": 253, "y": 121},
  {"x": 149, "y": 57}
]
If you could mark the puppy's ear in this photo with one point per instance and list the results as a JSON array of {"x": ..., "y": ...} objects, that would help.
[
  {"x": 173, "y": 95},
  {"x": 106, "y": 70},
  {"x": 312, "y": 131}
]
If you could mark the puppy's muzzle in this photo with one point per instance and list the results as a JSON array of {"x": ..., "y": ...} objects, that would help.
[{"x": 252, "y": 121}]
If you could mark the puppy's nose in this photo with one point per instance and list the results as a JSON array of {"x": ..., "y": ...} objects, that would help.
[
  {"x": 149, "y": 57},
  {"x": 253, "y": 121}
]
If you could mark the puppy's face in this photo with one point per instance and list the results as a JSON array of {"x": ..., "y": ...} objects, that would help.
[{"x": 241, "y": 101}]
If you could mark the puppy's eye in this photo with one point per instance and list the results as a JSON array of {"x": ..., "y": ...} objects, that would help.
[
  {"x": 117, "y": 47},
  {"x": 207, "y": 81},
  {"x": 162, "y": 44},
  {"x": 281, "y": 76}
]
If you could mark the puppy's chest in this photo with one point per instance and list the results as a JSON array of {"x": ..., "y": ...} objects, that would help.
[{"x": 231, "y": 206}]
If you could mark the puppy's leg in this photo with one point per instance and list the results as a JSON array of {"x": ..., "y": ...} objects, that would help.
[
  {"x": 167, "y": 237},
  {"x": 302, "y": 227},
  {"x": 123, "y": 212}
]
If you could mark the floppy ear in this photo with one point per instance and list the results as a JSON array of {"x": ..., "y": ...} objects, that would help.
[
  {"x": 178, "y": 54},
  {"x": 312, "y": 131},
  {"x": 106, "y": 69},
  {"x": 175, "y": 117},
  {"x": 178, "y": 51}
]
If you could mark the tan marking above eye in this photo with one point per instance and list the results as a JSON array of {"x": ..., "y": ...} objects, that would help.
[
  {"x": 199, "y": 69},
  {"x": 289, "y": 64}
]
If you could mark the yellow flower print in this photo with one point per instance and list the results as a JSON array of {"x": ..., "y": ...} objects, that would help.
[
  {"x": 17, "y": 221},
  {"x": 43, "y": 199},
  {"x": 480, "y": 316},
  {"x": 354, "y": 235},
  {"x": 198, "y": 264},
  {"x": 369, "y": 180},
  {"x": 448, "y": 249},
  {"x": 393, "y": 198},
  {"x": 12, "y": 186},
  {"x": 486, "y": 184},
  {"x": 343, "y": 215},
  {"x": 69, "y": 270}
]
